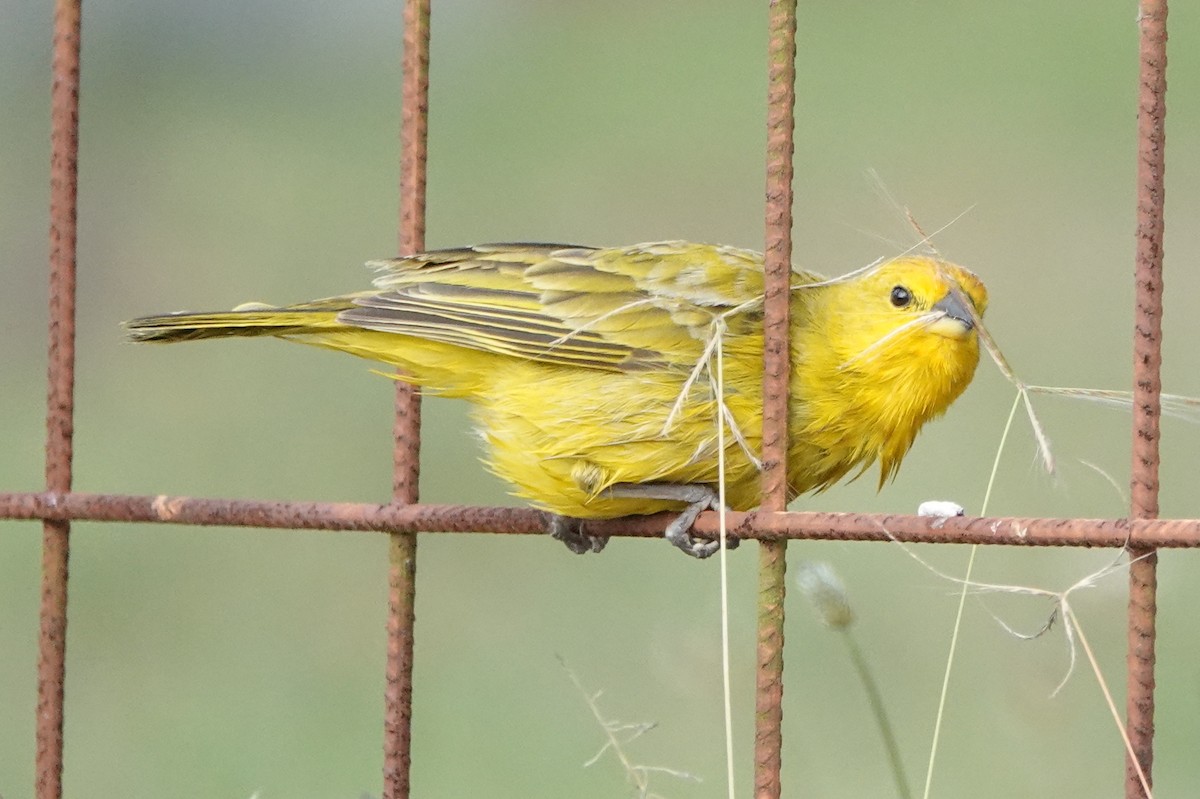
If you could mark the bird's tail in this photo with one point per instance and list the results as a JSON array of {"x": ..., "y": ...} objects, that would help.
[
  {"x": 434, "y": 365},
  {"x": 251, "y": 319}
]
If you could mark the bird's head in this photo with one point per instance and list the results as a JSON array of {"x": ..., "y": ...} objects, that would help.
[
  {"x": 882, "y": 352},
  {"x": 913, "y": 309}
]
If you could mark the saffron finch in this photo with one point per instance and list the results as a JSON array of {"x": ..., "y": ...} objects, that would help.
[{"x": 591, "y": 370}]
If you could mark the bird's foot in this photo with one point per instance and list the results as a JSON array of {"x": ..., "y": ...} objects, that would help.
[
  {"x": 679, "y": 532},
  {"x": 569, "y": 530}
]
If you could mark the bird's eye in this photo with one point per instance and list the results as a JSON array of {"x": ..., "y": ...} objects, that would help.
[{"x": 901, "y": 297}]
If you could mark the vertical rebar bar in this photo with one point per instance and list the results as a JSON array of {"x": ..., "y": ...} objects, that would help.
[
  {"x": 60, "y": 401},
  {"x": 402, "y": 547},
  {"x": 772, "y": 560},
  {"x": 414, "y": 135},
  {"x": 1147, "y": 344}
]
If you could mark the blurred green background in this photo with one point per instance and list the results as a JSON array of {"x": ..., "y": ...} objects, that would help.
[{"x": 236, "y": 152}]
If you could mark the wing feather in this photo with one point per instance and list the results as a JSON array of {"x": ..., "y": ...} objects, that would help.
[{"x": 627, "y": 308}]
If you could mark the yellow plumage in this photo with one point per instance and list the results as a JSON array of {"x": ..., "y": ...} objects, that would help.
[{"x": 589, "y": 368}]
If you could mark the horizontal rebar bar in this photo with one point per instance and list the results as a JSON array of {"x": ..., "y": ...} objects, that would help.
[{"x": 1014, "y": 531}]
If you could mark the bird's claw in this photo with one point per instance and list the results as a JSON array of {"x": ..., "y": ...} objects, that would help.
[
  {"x": 570, "y": 531},
  {"x": 701, "y": 548},
  {"x": 679, "y": 532},
  {"x": 700, "y": 498}
]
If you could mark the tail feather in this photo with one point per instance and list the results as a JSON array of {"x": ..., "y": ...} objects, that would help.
[{"x": 251, "y": 319}]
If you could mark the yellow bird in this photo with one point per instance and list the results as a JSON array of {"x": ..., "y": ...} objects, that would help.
[{"x": 591, "y": 370}]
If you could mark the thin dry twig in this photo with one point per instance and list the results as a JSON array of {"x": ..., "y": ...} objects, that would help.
[
  {"x": 1178, "y": 406},
  {"x": 1072, "y": 629},
  {"x": 724, "y": 556},
  {"x": 617, "y": 735}
]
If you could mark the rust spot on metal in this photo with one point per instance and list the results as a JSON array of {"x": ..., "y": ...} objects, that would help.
[{"x": 166, "y": 507}]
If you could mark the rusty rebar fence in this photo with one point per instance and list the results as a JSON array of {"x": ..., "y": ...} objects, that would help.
[
  {"x": 56, "y": 507},
  {"x": 402, "y": 547}
]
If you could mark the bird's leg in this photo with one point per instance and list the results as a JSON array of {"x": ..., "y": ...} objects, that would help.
[
  {"x": 569, "y": 530},
  {"x": 699, "y": 498}
]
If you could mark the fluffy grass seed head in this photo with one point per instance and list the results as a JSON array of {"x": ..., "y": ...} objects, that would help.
[{"x": 824, "y": 589}]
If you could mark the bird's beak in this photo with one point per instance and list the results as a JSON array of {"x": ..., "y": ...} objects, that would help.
[{"x": 956, "y": 320}]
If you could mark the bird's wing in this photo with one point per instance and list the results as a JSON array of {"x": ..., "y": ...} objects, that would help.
[{"x": 626, "y": 308}]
